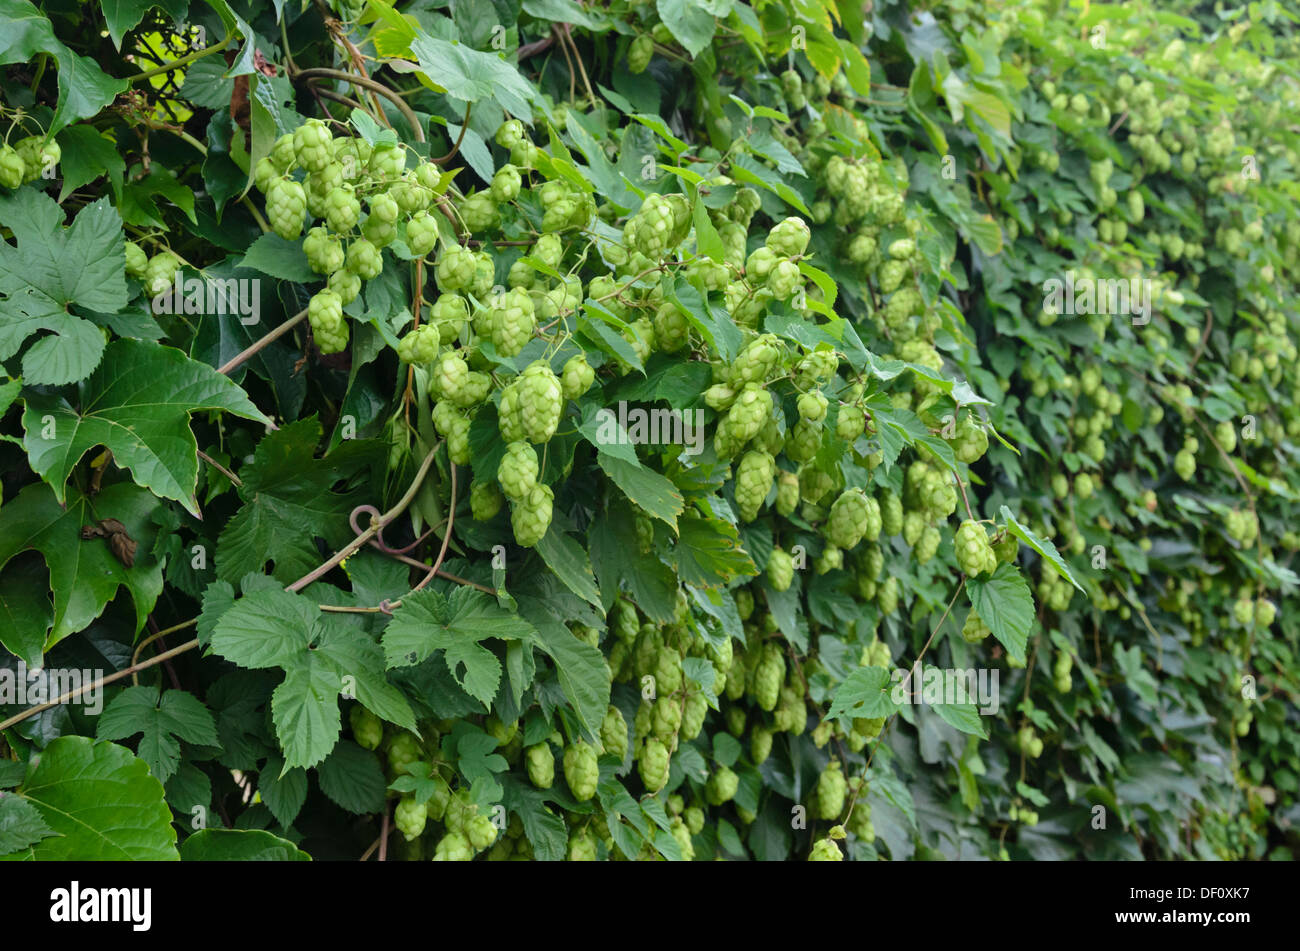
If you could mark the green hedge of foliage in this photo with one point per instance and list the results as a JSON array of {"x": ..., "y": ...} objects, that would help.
[{"x": 551, "y": 430}]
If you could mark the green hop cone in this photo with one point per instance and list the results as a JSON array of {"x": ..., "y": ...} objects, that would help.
[
  {"x": 481, "y": 832},
  {"x": 506, "y": 184},
  {"x": 721, "y": 787},
  {"x": 756, "y": 362},
  {"x": 324, "y": 250},
  {"x": 286, "y": 203},
  {"x": 581, "y": 770},
  {"x": 671, "y": 328},
  {"x": 582, "y": 848},
  {"x": 576, "y": 377},
  {"x": 346, "y": 285},
  {"x": 455, "y": 268},
  {"x": 513, "y": 322},
  {"x": 403, "y": 750},
  {"x": 891, "y": 514},
  {"x": 387, "y": 162},
  {"x": 694, "y": 712},
  {"x": 652, "y": 764},
  {"x": 541, "y": 401},
  {"x": 927, "y": 546},
  {"x": 668, "y": 670},
  {"x": 831, "y": 790},
  {"x": 12, "y": 167},
  {"x": 975, "y": 555},
  {"x": 784, "y": 279},
  {"x": 887, "y": 596},
  {"x": 812, "y": 406},
  {"x": 37, "y": 156},
  {"x": 367, "y": 729},
  {"x": 666, "y": 717},
  {"x": 769, "y": 674},
  {"x": 136, "y": 260},
  {"x": 851, "y": 423},
  {"x": 421, "y": 234},
  {"x": 974, "y": 630},
  {"x": 789, "y": 238},
  {"x": 485, "y": 501},
  {"x": 780, "y": 570},
  {"x": 530, "y": 517},
  {"x": 540, "y": 762},
  {"x": 754, "y": 477},
  {"x": 748, "y": 413},
  {"x": 453, "y": 847},
  {"x": 518, "y": 471},
  {"x": 325, "y": 313},
  {"x": 853, "y": 515},
  {"x": 364, "y": 259},
  {"x": 613, "y": 733},
  {"x": 342, "y": 209},
  {"x": 639, "y": 53},
  {"x": 826, "y": 850},
  {"x": 803, "y": 441},
  {"x": 410, "y": 817},
  {"x": 312, "y": 145},
  {"x": 787, "y": 492}
]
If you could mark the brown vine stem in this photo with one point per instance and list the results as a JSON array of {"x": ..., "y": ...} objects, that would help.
[
  {"x": 965, "y": 501},
  {"x": 568, "y": 35},
  {"x": 339, "y": 98},
  {"x": 376, "y": 525},
  {"x": 373, "y": 85},
  {"x": 263, "y": 342},
  {"x": 182, "y": 62},
  {"x": 537, "y": 46},
  {"x": 555, "y": 32},
  {"x": 125, "y": 672},
  {"x": 234, "y": 479},
  {"x": 406, "y": 560},
  {"x": 446, "y": 535},
  {"x": 135, "y": 657},
  {"x": 1205, "y": 338},
  {"x": 464, "y": 127}
]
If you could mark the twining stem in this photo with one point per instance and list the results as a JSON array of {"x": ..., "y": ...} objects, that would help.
[
  {"x": 446, "y": 535},
  {"x": 135, "y": 657},
  {"x": 125, "y": 672},
  {"x": 234, "y": 479},
  {"x": 260, "y": 344},
  {"x": 376, "y": 525},
  {"x": 182, "y": 62},
  {"x": 135, "y": 667},
  {"x": 464, "y": 127},
  {"x": 373, "y": 85}
]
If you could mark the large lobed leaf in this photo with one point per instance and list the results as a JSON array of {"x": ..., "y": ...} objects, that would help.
[{"x": 137, "y": 403}]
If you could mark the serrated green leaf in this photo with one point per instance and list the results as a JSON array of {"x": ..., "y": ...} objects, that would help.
[
  {"x": 164, "y": 721},
  {"x": 428, "y": 620},
  {"x": 240, "y": 845},
  {"x": 353, "y": 778},
  {"x": 564, "y": 556},
  {"x": 138, "y": 404},
  {"x": 84, "y": 574},
  {"x": 100, "y": 801},
  {"x": 1006, "y": 606},
  {"x": 864, "y": 694},
  {"x": 1041, "y": 545},
  {"x": 647, "y": 489}
]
